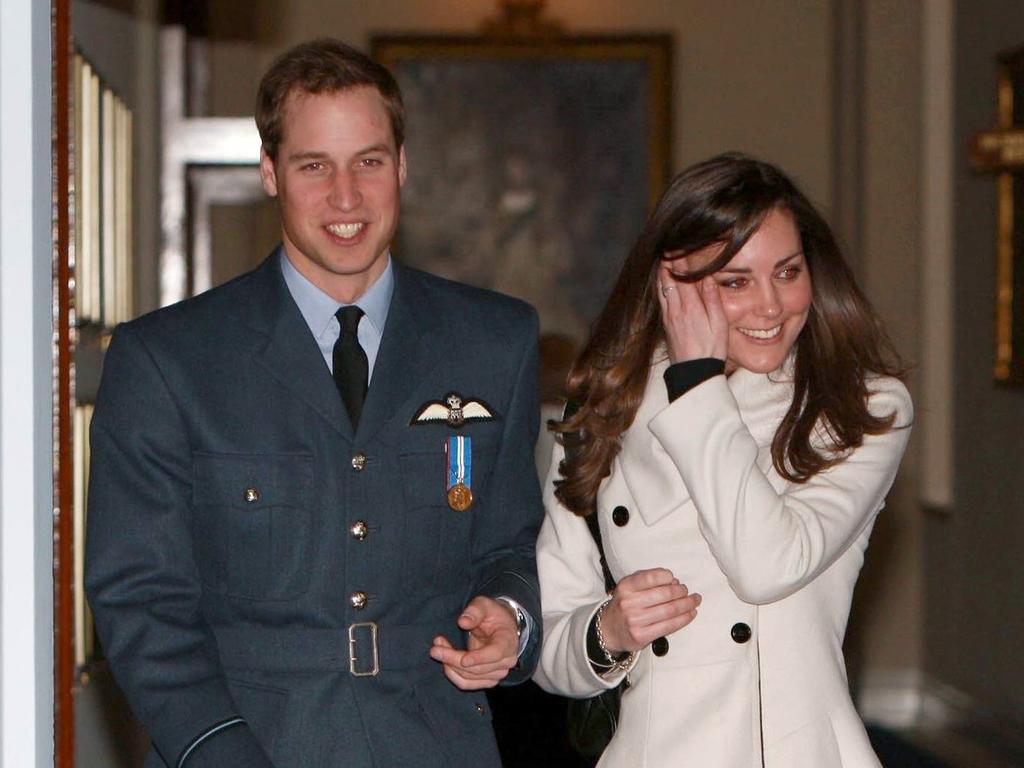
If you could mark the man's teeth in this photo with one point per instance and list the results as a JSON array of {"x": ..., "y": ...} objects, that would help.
[
  {"x": 345, "y": 230},
  {"x": 754, "y": 333}
]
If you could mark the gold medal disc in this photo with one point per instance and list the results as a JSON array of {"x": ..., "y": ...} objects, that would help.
[{"x": 460, "y": 497}]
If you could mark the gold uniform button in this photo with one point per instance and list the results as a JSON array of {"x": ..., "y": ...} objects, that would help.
[
  {"x": 252, "y": 495},
  {"x": 359, "y": 530},
  {"x": 358, "y": 600},
  {"x": 359, "y": 462}
]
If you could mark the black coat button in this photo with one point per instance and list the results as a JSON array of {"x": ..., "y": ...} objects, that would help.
[
  {"x": 660, "y": 646},
  {"x": 620, "y": 516},
  {"x": 740, "y": 632}
]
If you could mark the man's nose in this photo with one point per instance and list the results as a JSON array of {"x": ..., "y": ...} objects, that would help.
[{"x": 345, "y": 193}]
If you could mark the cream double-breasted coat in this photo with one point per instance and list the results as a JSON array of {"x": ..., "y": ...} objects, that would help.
[{"x": 758, "y": 678}]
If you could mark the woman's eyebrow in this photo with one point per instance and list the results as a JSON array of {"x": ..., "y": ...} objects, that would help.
[{"x": 746, "y": 270}]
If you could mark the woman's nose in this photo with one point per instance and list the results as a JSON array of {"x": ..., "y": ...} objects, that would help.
[{"x": 769, "y": 304}]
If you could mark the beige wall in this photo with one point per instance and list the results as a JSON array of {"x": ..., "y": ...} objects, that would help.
[
  {"x": 753, "y": 75},
  {"x": 888, "y": 602},
  {"x": 974, "y": 605}
]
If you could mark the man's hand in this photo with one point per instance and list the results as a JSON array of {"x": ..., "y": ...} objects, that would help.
[{"x": 493, "y": 645}]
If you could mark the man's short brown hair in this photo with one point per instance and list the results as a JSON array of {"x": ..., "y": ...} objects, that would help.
[{"x": 321, "y": 66}]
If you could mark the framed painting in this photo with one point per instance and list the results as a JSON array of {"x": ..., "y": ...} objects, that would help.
[
  {"x": 1001, "y": 152},
  {"x": 533, "y": 162}
]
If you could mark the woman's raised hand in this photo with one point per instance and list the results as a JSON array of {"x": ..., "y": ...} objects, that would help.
[
  {"x": 646, "y": 605},
  {"x": 695, "y": 323}
]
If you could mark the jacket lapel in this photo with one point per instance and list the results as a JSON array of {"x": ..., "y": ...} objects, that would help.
[
  {"x": 283, "y": 344},
  {"x": 411, "y": 346},
  {"x": 651, "y": 477}
]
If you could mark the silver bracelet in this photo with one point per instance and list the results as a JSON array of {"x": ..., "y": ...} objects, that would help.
[{"x": 614, "y": 664}]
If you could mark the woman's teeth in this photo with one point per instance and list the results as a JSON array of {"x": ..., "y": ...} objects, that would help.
[{"x": 756, "y": 333}]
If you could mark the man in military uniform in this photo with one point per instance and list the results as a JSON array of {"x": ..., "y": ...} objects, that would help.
[{"x": 300, "y": 553}]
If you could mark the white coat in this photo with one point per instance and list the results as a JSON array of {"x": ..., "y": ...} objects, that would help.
[{"x": 775, "y": 562}]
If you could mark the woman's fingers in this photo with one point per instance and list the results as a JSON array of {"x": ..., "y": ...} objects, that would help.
[
  {"x": 690, "y": 330},
  {"x": 645, "y": 579},
  {"x": 717, "y": 321},
  {"x": 645, "y": 605},
  {"x": 641, "y": 626},
  {"x": 667, "y": 627}
]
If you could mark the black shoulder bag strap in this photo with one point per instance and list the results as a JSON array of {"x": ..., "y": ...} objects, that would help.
[{"x": 592, "y": 722}]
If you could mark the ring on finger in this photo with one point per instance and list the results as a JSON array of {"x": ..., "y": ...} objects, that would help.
[{"x": 667, "y": 289}]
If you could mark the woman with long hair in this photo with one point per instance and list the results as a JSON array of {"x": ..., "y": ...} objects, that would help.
[{"x": 740, "y": 418}]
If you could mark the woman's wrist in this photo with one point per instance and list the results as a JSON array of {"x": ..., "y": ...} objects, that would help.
[{"x": 603, "y": 660}]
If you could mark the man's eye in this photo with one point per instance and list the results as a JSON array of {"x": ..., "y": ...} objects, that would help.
[
  {"x": 370, "y": 162},
  {"x": 315, "y": 166}
]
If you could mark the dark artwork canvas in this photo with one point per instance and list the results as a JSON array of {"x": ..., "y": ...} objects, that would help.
[{"x": 530, "y": 174}]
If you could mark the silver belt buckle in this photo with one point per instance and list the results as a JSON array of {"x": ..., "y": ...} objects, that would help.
[{"x": 375, "y": 668}]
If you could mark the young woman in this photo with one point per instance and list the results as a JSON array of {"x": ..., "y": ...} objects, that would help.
[{"x": 741, "y": 419}]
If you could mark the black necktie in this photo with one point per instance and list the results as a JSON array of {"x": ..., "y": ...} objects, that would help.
[{"x": 351, "y": 369}]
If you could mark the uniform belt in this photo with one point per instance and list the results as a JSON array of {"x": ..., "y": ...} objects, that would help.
[{"x": 360, "y": 648}]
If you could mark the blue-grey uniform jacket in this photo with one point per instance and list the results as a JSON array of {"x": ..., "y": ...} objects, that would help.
[{"x": 250, "y": 560}]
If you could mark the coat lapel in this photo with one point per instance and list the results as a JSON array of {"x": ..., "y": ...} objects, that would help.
[
  {"x": 283, "y": 344},
  {"x": 411, "y": 346},
  {"x": 651, "y": 477}
]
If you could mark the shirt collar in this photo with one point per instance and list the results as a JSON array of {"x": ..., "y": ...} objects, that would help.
[{"x": 318, "y": 308}]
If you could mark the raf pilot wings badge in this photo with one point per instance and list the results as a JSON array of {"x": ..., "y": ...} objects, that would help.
[{"x": 454, "y": 411}]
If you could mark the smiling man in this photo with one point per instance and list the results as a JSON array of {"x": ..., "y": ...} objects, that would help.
[{"x": 313, "y": 504}]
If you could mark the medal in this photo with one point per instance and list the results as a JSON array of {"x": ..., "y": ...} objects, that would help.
[
  {"x": 459, "y": 473},
  {"x": 460, "y": 498}
]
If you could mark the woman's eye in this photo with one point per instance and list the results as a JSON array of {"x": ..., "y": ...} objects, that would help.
[
  {"x": 736, "y": 282},
  {"x": 789, "y": 273}
]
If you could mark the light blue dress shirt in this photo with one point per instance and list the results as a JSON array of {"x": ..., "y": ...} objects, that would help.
[{"x": 318, "y": 309}]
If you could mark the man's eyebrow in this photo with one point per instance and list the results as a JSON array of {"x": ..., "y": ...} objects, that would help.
[
  {"x": 309, "y": 155},
  {"x": 375, "y": 148},
  {"x": 747, "y": 270},
  {"x": 315, "y": 154}
]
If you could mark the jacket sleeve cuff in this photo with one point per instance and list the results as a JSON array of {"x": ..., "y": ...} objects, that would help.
[
  {"x": 680, "y": 378},
  {"x": 228, "y": 744}
]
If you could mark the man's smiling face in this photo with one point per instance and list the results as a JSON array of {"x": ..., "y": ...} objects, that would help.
[{"x": 337, "y": 177}]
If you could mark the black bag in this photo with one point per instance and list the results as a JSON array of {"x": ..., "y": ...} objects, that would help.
[{"x": 592, "y": 722}]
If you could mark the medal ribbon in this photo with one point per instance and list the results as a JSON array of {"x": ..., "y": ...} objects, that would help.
[{"x": 460, "y": 461}]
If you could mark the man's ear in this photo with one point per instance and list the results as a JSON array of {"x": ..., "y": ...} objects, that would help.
[
  {"x": 267, "y": 174},
  {"x": 401, "y": 166}
]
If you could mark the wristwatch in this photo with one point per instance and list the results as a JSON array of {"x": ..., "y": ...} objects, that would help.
[{"x": 518, "y": 611}]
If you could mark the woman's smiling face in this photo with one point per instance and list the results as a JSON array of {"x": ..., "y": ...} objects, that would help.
[{"x": 766, "y": 293}]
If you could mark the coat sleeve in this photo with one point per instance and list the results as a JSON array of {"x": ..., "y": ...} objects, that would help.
[
  {"x": 572, "y": 589},
  {"x": 505, "y": 533},
  {"x": 141, "y": 577},
  {"x": 770, "y": 544}
]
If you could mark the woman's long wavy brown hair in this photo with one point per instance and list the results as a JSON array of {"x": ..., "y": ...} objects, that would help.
[{"x": 723, "y": 201}]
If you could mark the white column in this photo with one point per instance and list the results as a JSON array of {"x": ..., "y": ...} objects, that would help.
[
  {"x": 936, "y": 393},
  {"x": 26, "y": 386}
]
